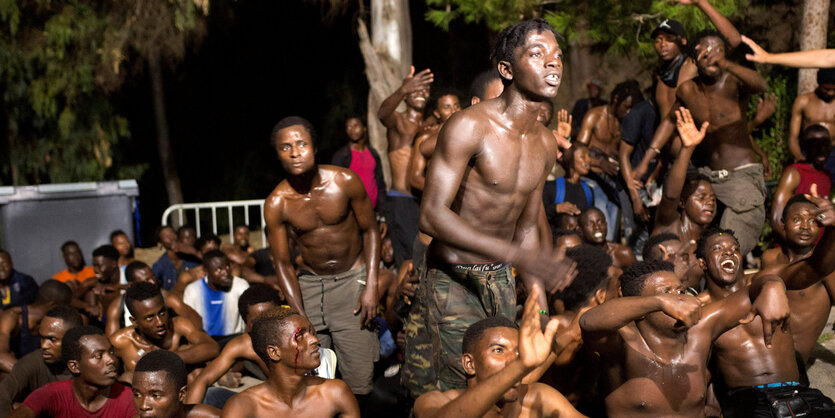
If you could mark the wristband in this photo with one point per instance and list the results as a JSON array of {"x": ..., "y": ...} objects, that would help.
[
  {"x": 657, "y": 151},
  {"x": 543, "y": 312}
]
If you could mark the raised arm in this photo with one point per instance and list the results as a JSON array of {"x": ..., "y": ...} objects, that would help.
[
  {"x": 725, "y": 27},
  {"x": 795, "y": 124},
  {"x": 818, "y": 58},
  {"x": 476, "y": 401},
  {"x": 175, "y": 302},
  {"x": 232, "y": 351},
  {"x": 625, "y": 150},
  {"x": 410, "y": 84},
  {"x": 200, "y": 348},
  {"x": 367, "y": 222},
  {"x": 662, "y": 134},
  {"x": 690, "y": 137},
  {"x": 751, "y": 79},
  {"x": 766, "y": 297},
  {"x": 280, "y": 250},
  {"x": 614, "y": 314},
  {"x": 785, "y": 190},
  {"x": 584, "y": 136}
]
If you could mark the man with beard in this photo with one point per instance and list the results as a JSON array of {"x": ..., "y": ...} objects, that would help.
[
  {"x": 154, "y": 329},
  {"x": 361, "y": 157},
  {"x": 42, "y": 366},
  {"x": 483, "y": 197},
  {"x": 810, "y": 306},
  {"x": 93, "y": 390},
  {"x": 758, "y": 368},
  {"x": 159, "y": 388},
  {"x": 287, "y": 343},
  {"x": 215, "y": 297},
  {"x": 817, "y": 107},
  {"x": 497, "y": 356},
  {"x": 593, "y": 230},
  {"x": 402, "y": 128}
]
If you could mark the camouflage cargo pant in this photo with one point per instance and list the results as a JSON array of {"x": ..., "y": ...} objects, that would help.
[{"x": 450, "y": 299}]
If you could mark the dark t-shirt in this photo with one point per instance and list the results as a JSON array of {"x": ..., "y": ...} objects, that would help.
[
  {"x": 637, "y": 130},
  {"x": 28, "y": 374},
  {"x": 574, "y": 193},
  {"x": 264, "y": 263},
  {"x": 58, "y": 400}
]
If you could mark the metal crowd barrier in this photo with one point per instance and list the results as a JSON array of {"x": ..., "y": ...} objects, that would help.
[{"x": 214, "y": 206}]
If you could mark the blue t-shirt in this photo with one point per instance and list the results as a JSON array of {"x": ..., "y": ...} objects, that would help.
[
  {"x": 218, "y": 309},
  {"x": 165, "y": 270}
]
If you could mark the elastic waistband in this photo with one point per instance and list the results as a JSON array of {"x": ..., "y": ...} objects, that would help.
[
  {"x": 777, "y": 385},
  {"x": 395, "y": 193},
  {"x": 309, "y": 275},
  {"x": 489, "y": 266}
]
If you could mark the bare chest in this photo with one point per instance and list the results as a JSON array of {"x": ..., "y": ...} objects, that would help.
[
  {"x": 511, "y": 166},
  {"x": 317, "y": 209}
]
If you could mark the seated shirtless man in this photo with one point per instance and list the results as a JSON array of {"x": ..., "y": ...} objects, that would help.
[
  {"x": 154, "y": 329},
  {"x": 287, "y": 343},
  {"x": 159, "y": 387},
  {"x": 496, "y": 358},
  {"x": 665, "y": 337},
  {"x": 757, "y": 370},
  {"x": 256, "y": 300}
]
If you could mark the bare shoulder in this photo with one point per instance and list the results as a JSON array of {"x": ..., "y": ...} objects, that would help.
[
  {"x": 276, "y": 197},
  {"x": 686, "y": 88},
  {"x": 202, "y": 411},
  {"x": 122, "y": 336},
  {"x": 340, "y": 174},
  {"x": 803, "y": 99},
  {"x": 688, "y": 71},
  {"x": 773, "y": 256},
  {"x": 468, "y": 123}
]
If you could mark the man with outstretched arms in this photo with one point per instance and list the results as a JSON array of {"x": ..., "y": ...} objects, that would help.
[{"x": 483, "y": 196}]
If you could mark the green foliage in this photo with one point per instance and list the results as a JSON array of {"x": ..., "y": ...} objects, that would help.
[{"x": 772, "y": 137}]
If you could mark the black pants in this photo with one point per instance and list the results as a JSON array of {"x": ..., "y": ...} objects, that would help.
[
  {"x": 757, "y": 403},
  {"x": 403, "y": 225}
]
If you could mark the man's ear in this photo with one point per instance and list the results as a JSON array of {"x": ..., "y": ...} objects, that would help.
[
  {"x": 684, "y": 41},
  {"x": 437, "y": 114},
  {"x": 702, "y": 264},
  {"x": 468, "y": 363},
  {"x": 72, "y": 366},
  {"x": 599, "y": 296},
  {"x": 273, "y": 353},
  {"x": 132, "y": 320},
  {"x": 664, "y": 253},
  {"x": 474, "y": 100},
  {"x": 181, "y": 395},
  {"x": 505, "y": 70}
]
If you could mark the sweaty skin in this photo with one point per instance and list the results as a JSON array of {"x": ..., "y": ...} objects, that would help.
[
  {"x": 601, "y": 132},
  {"x": 402, "y": 127},
  {"x": 808, "y": 109},
  {"x": 238, "y": 348},
  {"x": 666, "y": 337},
  {"x": 484, "y": 187},
  {"x": 156, "y": 330},
  {"x": 288, "y": 392},
  {"x": 810, "y": 307},
  {"x": 327, "y": 212}
]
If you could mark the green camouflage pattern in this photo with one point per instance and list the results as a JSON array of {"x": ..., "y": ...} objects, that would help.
[{"x": 449, "y": 301}]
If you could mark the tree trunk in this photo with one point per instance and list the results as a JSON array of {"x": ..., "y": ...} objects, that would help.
[
  {"x": 166, "y": 154},
  {"x": 387, "y": 54},
  {"x": 812, "y": 36}
]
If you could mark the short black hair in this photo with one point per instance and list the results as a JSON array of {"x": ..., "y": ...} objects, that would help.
[
  {"x": 478, "y": 88},
  {"x": 438, "y": 93},
  {"x": 116, "y": 233},
  {"x": 589, "y": 210},
  {"x": 701, "y": 244},
  {"x": 798, "y": 198},
  {"x": 650, "y": 251},
  {"x": 476, "y": 331},
  {"x": 107, "y": 251},
  {"x": 205, "y": 239},
  {"x": 212, "y": 254},
  {"x": 139, "y": 291},
  {"x": 513, "y": 37},
  {"x": 293, "y": 121},
  {"x": 66, "y": 313},
  {"x": 255, "y": 294},
  {"x": 633, "y": 279},
  {"x": 163, "y": 228},
  {"x": 71, "y": 343},
  {"x": 133, "y": 267},
  {"x": 816, "y": 145},
  {"x": 592, "y": 273},
  {"x": 2, "y": 251},
  {"x": 242, "y": 224},
  {"x": 266, "y": 330},
  {"x": 185, "y": 228},
  {"x": 164, "y": 361},
  {"x": 69, "y": 243},
  {"x": 691, "y": 183},
  {"x": 55, "y": 292},
  {"x": 625, "y": 90},
  {"x": 561, "y": 232}
]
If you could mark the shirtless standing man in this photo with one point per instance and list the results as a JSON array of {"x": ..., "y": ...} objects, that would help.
[
  {"x": 402, "y": 128},
  {"x": 483, "y": 196},
  {"x": 328, "y": 212},
  {"x": 817, "y": 107},
  {"x": 287, "y": 343},
  {"x": 154, "y": 329},
  {"x": 496, "y": 358}
]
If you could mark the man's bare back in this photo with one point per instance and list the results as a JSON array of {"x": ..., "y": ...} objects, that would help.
[{"x": 601, "y": 130}]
